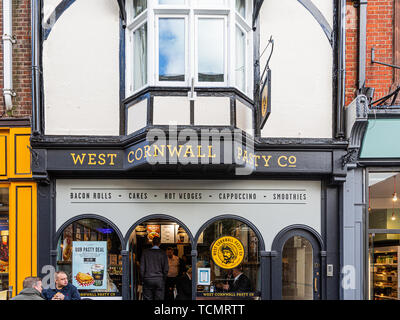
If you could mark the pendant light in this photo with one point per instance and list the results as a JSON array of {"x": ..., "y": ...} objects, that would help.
[
  {"x": 393, "y": 216},
  {"x": 369, "y": 199},
  {"x": 394, "y": 194}
]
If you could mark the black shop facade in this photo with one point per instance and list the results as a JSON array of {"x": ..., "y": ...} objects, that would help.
[{"x": 276, "y": 206}]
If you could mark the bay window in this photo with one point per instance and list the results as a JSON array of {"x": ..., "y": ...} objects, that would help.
[{"x": 207, "y": 43}]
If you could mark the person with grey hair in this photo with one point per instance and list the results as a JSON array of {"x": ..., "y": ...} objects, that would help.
[
  {"x": 63, "y": 290},
  {"x": 32, "y": 289}
]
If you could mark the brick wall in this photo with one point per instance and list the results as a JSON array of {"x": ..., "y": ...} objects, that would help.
[
  {"x": 379, "y": 36},
  {"x": 351, "y": 51},
  {"x": 22, "y": 104}
]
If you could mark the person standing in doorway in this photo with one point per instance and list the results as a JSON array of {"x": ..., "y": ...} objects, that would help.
[
  {"x": 173, "y": 273},
  {"x": 153, "y": 271}
]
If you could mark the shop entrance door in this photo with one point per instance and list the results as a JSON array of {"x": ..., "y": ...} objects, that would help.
[
  {"x": 301, "y": 269},
  {"x": 175, "y": 243}
]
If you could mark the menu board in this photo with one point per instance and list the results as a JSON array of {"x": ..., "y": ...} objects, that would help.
[
  {"x": 89, "y": 265},
  {"x": 153, "y": 230},
  {"x": 167, "y": 234}
]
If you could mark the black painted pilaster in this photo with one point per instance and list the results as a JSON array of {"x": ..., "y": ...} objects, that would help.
[
  {"x": 194, "y": 274},
  {"x": 276, "y": 275},
  {"x": 44, "y": 233},
  {"x": 265, "y": 275},
  {"x": 125, "y": 274}
]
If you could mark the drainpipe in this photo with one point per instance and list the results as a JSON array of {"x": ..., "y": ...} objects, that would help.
[
  {"x": 8, "y": 41},
  {"x": 362, "y": 38},
  {"x": 36, "y": 92},
  {"x": 341, "y": 69}
]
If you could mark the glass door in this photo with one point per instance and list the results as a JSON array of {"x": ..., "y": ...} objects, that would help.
[{"x": 300, "y": 270}]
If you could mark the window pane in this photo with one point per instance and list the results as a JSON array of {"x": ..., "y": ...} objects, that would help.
[
  {"x": 209, "y": 3},
  {"x": 101, "y": 274},
  {"x": 297, "y": 269},
  {"x": 211, "y": 50},
  {"x": 4, "y": 241},
  {"x": 172, "y": 49},
  {"x": 240, "y": 59},
  {"x": 383, "y": 205},
  {"x": 139, "y": 6},
  {"x": 171, "y": 1},
  {"x": 383, "y": 257},
  {"x": 221, "y": 259},
  {"x": 140, "y": 57},
  {"x": 241, "y": 7}
]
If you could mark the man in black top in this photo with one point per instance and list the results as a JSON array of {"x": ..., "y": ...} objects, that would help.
[
  {"x": 153, "y": 270},
  {"x": 184, "y": 286},
  {"x": 240, "y": 283}
]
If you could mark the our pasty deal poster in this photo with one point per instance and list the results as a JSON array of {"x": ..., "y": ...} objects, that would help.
[{"x": 89, "y": 265}]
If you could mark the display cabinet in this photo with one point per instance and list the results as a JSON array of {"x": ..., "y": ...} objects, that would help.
[{"x": 385, "y": 273}]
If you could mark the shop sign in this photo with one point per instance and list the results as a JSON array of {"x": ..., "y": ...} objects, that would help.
[
  {"x": 265, "y": 100},
  {"x": 142, "y": 154},
  {"x": 89, "y": 265},
  {"x": 213, "y": 196},
  {"x": 227, "y": 252},
  {"x": 242, "y": 295}
]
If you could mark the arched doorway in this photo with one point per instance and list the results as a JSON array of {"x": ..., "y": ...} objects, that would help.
[
  {"x": 228, "y": 260},
  {"x": 89, "y": 252},
  {"x": 176, "y": 242},
  {"x": 296, "y": 268}
]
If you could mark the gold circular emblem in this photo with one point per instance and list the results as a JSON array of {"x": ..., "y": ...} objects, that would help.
[
  {"x": 227, "y": 252},
  {"x": 264, "y": 106}
]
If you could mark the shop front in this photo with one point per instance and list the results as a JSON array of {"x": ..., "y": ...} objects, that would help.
[
  {"x": 380, "y": 158},
  {"x": 18, "y": 217},
  {"x": 278, "y": 226}
]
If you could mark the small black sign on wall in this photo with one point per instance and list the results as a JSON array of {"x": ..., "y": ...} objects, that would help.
[{"x": 265, "y": 99}]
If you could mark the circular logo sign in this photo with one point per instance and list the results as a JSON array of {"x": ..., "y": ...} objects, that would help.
[
  {"x": 227, "y": 252},
  {"x": 264, "y": 105}
]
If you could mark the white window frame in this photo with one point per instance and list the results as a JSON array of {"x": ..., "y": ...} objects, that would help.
[
  {"x": 133, "y": 25},
  {"x": 197, "y": 83},
  {"x": 191, "y": 11},
  {"x": 246, "y": 60},
  {"x": 157, "y": 47}
]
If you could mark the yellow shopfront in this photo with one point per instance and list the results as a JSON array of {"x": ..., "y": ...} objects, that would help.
[{"x": 18, "y": 214}]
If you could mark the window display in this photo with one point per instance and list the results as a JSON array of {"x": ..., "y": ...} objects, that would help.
[
  {"x": 89, "y": 252},
  {"x": 4, "y": 238},
  {"x": 229, "y": 254},
  {"x": 384, "y": 235}
]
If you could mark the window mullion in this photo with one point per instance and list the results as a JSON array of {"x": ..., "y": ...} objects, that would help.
[
  {"x": 230, "y": 46},
  {"x": 192, "y": 51},
  {"x": 152, "y": 33}
]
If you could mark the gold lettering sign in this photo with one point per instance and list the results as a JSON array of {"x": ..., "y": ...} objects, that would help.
[
  {"x": 93, "y": 159},
  {"x": 264, "y": 107},
  {"x": 265, "y": 160},
  {"x": 227, "y": 252}
]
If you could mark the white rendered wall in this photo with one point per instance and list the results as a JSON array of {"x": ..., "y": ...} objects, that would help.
[
  {"x": 212, "y": 111},
  {"x": 81, "y": 69},
  {"x": 137, "y": 116},
  {"x": 270, "y": 219},
  {"x": 171, "y": 111},
  {"x": 301, "y": 69}
]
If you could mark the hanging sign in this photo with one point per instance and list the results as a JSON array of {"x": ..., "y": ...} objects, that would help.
[
  {"x": 89, "y": 265},
  {"x": 265, "y": 100},
  {"x": 227, "y": 252}
]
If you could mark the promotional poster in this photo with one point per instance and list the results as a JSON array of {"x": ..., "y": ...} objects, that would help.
[{"x": 89, "y": 265}]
